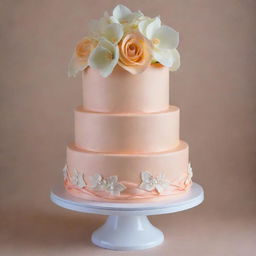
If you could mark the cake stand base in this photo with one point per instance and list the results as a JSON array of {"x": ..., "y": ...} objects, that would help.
[
  {"x": 127, "y": 227},
  {"x": 127, "y": 233}
]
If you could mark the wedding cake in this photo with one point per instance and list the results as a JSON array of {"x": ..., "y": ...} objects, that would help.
[{"x": 127, "y": 146}]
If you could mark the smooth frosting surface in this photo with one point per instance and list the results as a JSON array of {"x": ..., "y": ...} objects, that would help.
[
  {"x": 123, "y": 92},
  {"x": 123, "y": 133}
]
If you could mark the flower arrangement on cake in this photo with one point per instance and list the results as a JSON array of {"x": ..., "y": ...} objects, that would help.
[{"x": 128, "y": 39}]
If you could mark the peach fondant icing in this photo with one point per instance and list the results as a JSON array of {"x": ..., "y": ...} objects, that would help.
[
  {"x": 121, "y": 133},
  {"x": 123, "y": 92}
]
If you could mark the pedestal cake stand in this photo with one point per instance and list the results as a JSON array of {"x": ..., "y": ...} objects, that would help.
[{"x": 127, "y": 227}]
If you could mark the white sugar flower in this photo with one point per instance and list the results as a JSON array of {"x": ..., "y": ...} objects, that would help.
[
  {"x": 104, "y": 27},
  {"x": 112, "y": 32},
  {"x": 189, "y": 175},
  {"x": 104, "y": 57},
  {"x": 113, "y": 187},
  {"x": 164, "y": 40},
  {"x": 77, "y": 179},
  {"x": 97, "y": 182},
  {"x": 110, "y": 184},
  {"x": 65, "y": 171},
  {"x": 150, "y": 183},
  {"x": 123, "y": 15},
  {"x": 99, "y": 29}
]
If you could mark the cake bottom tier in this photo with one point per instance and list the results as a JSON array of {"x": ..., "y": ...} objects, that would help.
[{"x": 127, "y": 177}]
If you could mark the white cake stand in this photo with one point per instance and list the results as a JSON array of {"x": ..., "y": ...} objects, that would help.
[{"x": 127, "y": 227}]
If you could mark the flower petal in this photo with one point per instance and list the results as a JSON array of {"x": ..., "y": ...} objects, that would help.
[
  {"x": 164, "y": 56},
  {"x": 176, "y": 61},
  {"x": 75, "y": 172},
  {"x": 113, "y": 32},
  {"x": 113, "y": 19},
  {"x": 121, "y": 12},
  {"x": 154, "y": 26},
  {"x": 190, "y": 171},
  {"x": 168, "y": 37},
  {"x": 119, "y": 187},
  {"x": 65, "y": 171},
  {"x": 112, "y": 179},
  {"x": 159, "y": 188},
  {"x": 161, "y": 177},
  {"x": 147, "y": 186},
  {"x": 80, "y": 180},
  {"x": 146, "y": 176},
  {"x": 134, "y": 70},
  {"x": 95, "y": 179},
  {"x": 142, "y": 26},
  {"x": 135, "y": 17},
  {"x": 168, "y": 58},
  {"x": 76, "y": 64},
  {"x": 106, "y": 17},
  {"x": 104, "y": 57}
]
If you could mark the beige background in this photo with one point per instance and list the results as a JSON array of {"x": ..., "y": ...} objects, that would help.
[{"x": 215, "y": 89}]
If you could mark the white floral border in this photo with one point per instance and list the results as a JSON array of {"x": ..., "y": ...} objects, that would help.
[{"x": 111, "y": 186}]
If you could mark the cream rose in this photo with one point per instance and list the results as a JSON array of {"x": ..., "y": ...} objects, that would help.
[
  {"x": 85, "y": 46},
  {"x": 134, "y": 53},
  {"x": 79, "y": 60}
]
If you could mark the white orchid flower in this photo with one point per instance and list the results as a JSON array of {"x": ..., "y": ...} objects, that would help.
[
  {"x": 77, "y": 179},
  {"x": 110, "y": 184},
  {"x": 97, "y": 182},
  {"x": 65, "y": 171},
  {"x": 113, "y": 187},
  {"x": 189, "y": 175},
  {"x": 123, "y": 15},
  {"x": 104, "y": 57},
  {"x": 104, "y": 27},
  {"x": 150, "y": 183},
  {"x": 164, "y": 40}
]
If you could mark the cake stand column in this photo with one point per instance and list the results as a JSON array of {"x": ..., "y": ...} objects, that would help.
[{"x": 127, "y": 233}]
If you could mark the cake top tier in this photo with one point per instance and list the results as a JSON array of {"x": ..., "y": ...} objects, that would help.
[
  {"x": 122, "y": 92},
  {"x": 128, "y": 39}
]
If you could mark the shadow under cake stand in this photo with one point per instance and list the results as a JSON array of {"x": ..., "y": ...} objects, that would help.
[{"x": 127, "y": 227}]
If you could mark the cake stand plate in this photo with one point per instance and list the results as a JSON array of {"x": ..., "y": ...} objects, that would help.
[{"x": 127, "y": 227}]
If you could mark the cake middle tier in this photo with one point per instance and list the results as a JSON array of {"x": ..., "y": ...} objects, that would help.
[{"x": 127, "y": 133}]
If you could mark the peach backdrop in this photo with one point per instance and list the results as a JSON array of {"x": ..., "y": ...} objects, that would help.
[{"x": 215, "y": 89}]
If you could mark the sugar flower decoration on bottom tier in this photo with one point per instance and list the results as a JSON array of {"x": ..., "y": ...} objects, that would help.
[
  {"x": 110, "y": 184},
  {"x": 77, "y": 179},
  {"x": 189, "y": 175},
  {"x": 149, "y": 182},
  {"x": 65, "y": 171}
]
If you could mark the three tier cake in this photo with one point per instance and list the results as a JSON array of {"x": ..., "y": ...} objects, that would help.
[{"x": 127, "y": 146}]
